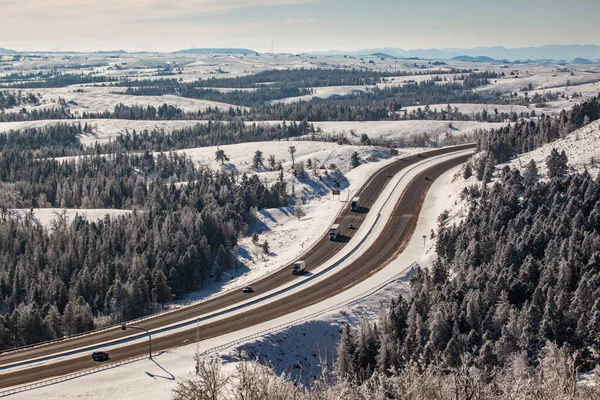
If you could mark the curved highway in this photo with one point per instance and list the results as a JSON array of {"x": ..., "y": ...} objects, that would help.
[{"x": 394, "y": 238}]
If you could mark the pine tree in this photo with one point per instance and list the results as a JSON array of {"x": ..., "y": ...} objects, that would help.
[
  {"x": 468, "y": 171},
  {"x": 354, "y": 160},
  {"x": 222, "y": 262},
  {"x": 161, "y": 292},
  {"x": 221, "y": 156},
  {"x": 530, "y": 176},
  {"x": 345, "y": 365},
  {"x": 258, "y": 160},
  {"x": 557, "y": 164}
]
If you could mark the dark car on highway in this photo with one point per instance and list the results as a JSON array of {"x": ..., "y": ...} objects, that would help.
[
  {"x": 247, "y": 289},
  {"x": 100, "y": 356}
]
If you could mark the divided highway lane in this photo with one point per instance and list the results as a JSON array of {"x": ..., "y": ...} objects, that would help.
[
  {"x": 394, "y": 238},
  {"x": 322, "y": 251}
]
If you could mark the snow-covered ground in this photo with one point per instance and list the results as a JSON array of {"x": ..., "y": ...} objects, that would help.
[
  {"x": 393, "y": 130},
  {"x": 107, "y": 129},
  {"x": 582, "y": 152},
  {"x": 304, "y": 342},
  {"x": 580, "y": 146},
  {"x": 85, "y": 98},
  {"x": 47, "y": 216},
  {"x": 539, "y": 80}
]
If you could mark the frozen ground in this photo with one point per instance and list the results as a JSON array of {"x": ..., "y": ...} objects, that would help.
[
  {"x": 393, "y": 130},
  {"x": 303, "y": 343},
  {"x": 47, "y": 216},
  {"x": 85, "y": 98},
  {"x": 539, "y": 80},
  {"x": 580, "y": 146},
  {"x": 107, "y": 129}
]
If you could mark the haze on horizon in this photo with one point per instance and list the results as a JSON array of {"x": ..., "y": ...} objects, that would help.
[{"x": 293, "y": 25}]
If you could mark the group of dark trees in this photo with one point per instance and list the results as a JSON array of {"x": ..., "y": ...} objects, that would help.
[
  {"x": 10, "y": 99},
  {"x": 246, "y": 98},
  {"x": 57, "y": 79},
  {"x": 291, "y": 78},
  {"x": 522, "y": 270},
  {"x": 55, "y": 140},
  {"x": 58, "y": 281},
  {"x": 211, "y": 134}
]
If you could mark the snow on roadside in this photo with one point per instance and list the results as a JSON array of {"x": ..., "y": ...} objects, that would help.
[{"x": 287, "y": 235}]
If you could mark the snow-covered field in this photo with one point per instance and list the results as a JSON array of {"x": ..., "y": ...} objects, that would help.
[
  {"x": 580, "y": 146},
  {"x": 393, "y": 130},
  {"x": 107, "y": 129},
  {"x": 98, "y": 99},
  {"x": 46, "y": 216},
  {"x": 303, "y": 343},
  {"x": 539, "y": 80}
]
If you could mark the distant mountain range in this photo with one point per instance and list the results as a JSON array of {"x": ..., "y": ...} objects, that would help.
[
  {"x": 578, "y": 54},
  {"x": 551, "y": 52},
  {"x": 216, "y": 51}
]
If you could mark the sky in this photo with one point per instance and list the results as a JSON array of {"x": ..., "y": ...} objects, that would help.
[{"x": 293, "y": 25}]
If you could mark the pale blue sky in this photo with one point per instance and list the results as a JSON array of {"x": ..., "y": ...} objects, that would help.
[{"x": 294, "y": 25}]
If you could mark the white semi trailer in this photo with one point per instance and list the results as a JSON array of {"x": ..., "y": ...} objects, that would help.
[
  {"x": 299, "y": 268},
  {"x": 334, "y": 231}
]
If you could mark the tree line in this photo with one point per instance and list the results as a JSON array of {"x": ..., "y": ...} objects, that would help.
[
  {"x": 292, "y": 78},
  {"x": 525, "y": 135},
  {"x": 82, "y": 274}
]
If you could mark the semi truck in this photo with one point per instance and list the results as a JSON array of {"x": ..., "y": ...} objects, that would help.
[
  {"x": 354, "y": 203},
  {"x": 299, "y": 268},
  {"x": 334, "y": 231}
]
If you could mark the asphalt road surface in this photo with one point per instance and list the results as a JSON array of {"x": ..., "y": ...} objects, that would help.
[{"x": 394, "y": 238}]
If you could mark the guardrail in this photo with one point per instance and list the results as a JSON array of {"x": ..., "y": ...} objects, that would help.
[{"x": 288, "y": 324}]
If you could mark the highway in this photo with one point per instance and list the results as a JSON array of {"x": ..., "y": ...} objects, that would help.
[{"x": 395, "y": 236}]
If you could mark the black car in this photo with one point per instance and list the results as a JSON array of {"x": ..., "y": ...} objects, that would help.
[
  {"x": 247, "y": 289},
  {"x": 100, "y": 356},
  {"x": 388, "y": 175},
  {"x": 351, "y": 226}
]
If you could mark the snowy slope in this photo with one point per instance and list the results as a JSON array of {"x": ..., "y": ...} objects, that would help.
[
  {"x": 582, "y": 147},
  {"x": 98, "y": 99}
]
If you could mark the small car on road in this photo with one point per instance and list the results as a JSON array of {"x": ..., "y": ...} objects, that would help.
[
  {"x": 388, "y": 175},
  {"x": 100, "y": 356},
  {"x": 351, "y": 226},
  {"x": 248, "y": 289}
]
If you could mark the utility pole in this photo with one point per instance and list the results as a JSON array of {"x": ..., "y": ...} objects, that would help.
[{"x": 124, "y": 327}]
